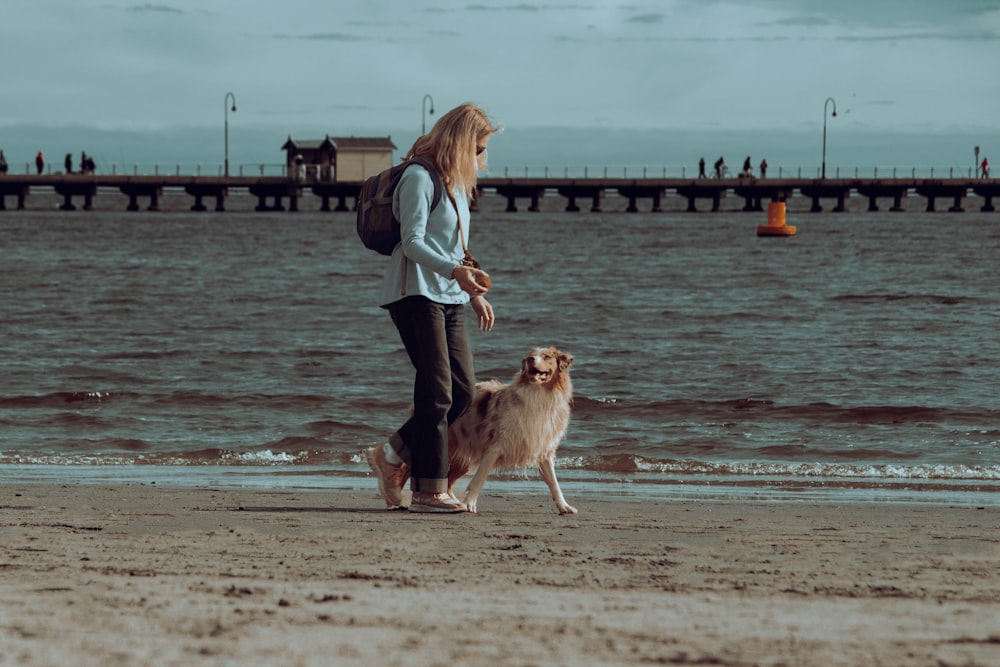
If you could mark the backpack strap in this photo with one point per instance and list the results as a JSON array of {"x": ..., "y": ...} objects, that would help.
[{"x": 435, "y": 178}]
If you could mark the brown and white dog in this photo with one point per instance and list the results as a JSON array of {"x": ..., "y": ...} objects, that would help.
[{"x": 515, "y": 425}]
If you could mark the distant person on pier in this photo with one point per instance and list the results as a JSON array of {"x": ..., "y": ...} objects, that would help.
[
  {"x": 984, "y": 168},
  {"x": 68, "y": 163},
  {"x": 40, "y": 162},
  {"x": 3, "y": 163},
  {"x": 701, "y": 168},
  {"x": 747, "y": 168},
  {"x": 763, "y": 168},
  {"x": 720, "y": 167},
  {"x": 86, "y": 163}
]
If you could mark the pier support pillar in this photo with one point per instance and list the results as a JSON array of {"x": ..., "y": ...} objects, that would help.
[
  {"x": 656, "y": 203},
  {"x": 897, "y": 202},
  {"x": 511, "y": 204},
  {"x": 200, "y": 190},
  {"x": 930, "y": 203},
  {"x": 133, "y": 192},
  {"x": 872, "y": 203},
  {"x": 841, "y": 204},
  {"x": 18, "y": 190},
  {"x": 957, "y": 206},
  {"x": 692, "y": 208},
  {"x": 595, "y": 207},
  {"x": 716, "y": 202},
  {"x": 534, "y": 203},
  {"x": 816, "y": 207},
  {"x": 988, "y": 204},
  {"x": 67, "y": 204},
  {"x": 632, "y": 208},
  {"x": 262, "y": 203},
  {"x": 571, "y": 204}
]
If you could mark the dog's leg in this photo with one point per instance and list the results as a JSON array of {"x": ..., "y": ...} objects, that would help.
[
  {"x": 547, "y": 467},
  {"x": 456, "y": 472},
  {"x": 482, "y": 472}
]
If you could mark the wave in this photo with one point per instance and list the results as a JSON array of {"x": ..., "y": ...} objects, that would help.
[
  {"x": 55, "y": 399},
  {"x": 59, "y": 399},
  {"x": 584, "y": 407},
  {"x": 303, "y": 451},
  {"x": 763, "y": 408},
  {"x": 636, "y": 464},
  {"x": 883, "y": 297}
]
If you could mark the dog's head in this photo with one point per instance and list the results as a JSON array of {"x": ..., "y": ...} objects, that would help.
[{"x": 545, "y": 366}]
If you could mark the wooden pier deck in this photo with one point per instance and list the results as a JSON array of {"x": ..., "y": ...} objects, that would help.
[{"x": 79, "y": 191}]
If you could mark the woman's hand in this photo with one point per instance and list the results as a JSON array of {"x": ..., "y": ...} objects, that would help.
[
  {"x": 472, "y": 281},
  {"x": 484, "y": 312}
]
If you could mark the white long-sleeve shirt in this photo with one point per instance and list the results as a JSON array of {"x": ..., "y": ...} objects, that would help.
[{"x": 430, "y": 248}]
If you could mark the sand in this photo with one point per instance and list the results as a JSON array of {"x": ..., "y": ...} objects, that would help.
[{"x": 148, "y": 575}]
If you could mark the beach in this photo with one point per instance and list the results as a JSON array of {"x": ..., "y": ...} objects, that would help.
[{"x": 145, "y": 574}]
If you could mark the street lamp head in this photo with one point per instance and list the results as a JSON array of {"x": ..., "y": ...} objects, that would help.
[
  {"x": 834, "y": 114},
  {"x": 234, "y": 106}
]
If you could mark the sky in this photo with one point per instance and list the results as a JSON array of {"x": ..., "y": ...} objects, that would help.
[{"x": 314, "y": 67}]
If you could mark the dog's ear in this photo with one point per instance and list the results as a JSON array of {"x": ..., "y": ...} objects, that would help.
[{"x": 565, "y": 361}]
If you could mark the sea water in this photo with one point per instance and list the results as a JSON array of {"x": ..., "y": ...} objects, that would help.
[{"x": 857, "y": 359}]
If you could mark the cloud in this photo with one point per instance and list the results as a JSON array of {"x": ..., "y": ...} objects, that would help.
[
  {"x": 148, "y": 7},
  {"x": 647, "y": 18},
  {"x": 524, "y": 7},
  {"x": 983, "y": 36},
  {"x": 801, "y": 22},
  {"x": 326, "y": 37}
]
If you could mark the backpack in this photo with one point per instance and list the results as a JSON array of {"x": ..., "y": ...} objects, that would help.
[{"x": 377, "y": 226}]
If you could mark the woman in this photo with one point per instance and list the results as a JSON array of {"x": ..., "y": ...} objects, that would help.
[{"x": 425, "y": 290}]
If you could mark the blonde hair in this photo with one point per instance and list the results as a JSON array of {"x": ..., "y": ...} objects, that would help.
[{"x": 452, "y": 143}]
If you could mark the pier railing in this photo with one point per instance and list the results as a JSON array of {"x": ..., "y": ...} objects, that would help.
[
  {"x": 775, "y": 171},
  {"x": 636, "y": 171},
  {"x": 171, "y": 169}
]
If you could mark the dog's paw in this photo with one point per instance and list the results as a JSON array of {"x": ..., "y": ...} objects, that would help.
[
  {"x": 567, "y": 509},
  {"x": 470, "y": 502}
]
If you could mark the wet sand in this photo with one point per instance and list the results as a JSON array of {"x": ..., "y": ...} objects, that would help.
[{"x": 149, "y": 575}]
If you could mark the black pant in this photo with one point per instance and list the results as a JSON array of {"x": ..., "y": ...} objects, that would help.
[{"x": 437, "y": 343}]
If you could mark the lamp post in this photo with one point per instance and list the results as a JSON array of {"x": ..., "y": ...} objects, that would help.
[
  {"x": 828, "y": 101},
  {"x": 225, "y": 104},
  {"x": 423, "y": 105}
]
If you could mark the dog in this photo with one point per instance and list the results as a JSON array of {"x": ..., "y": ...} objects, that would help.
[{"x": 515, "y": 425}]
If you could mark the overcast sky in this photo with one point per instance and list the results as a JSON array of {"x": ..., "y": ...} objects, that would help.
[{"x": 923, "y": 65}]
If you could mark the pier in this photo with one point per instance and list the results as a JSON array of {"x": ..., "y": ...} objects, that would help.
[{"x": 280, "y": 193}]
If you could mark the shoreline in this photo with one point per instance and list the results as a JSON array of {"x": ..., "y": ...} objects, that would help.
[
  {"x": 109, "y": 574},
  {"x": 975, "y": 493}
]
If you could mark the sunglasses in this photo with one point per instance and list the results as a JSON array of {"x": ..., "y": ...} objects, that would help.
[{"x": 480, "y": 150}]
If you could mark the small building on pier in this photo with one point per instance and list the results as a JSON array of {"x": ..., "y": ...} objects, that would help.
[{"x": 338, "y": 158}]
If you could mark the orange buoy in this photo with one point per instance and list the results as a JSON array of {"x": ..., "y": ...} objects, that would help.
[{"x": 776, "y": 221}]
